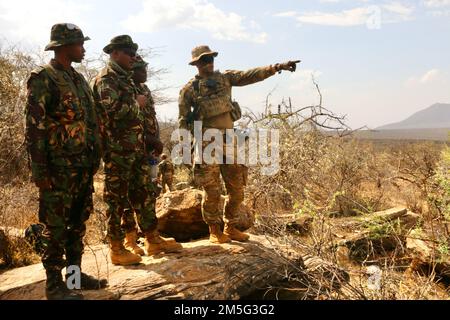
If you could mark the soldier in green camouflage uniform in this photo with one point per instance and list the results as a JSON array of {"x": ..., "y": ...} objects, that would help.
[
  {"x": 151, "y": 137},
  {"x": 63, "y": 143},
  {"x": 166, "y": 172},
  {"x": 207, "y": 98},
  {"x": 126, "y": 169}
]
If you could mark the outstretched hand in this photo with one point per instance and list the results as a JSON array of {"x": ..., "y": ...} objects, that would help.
[{"x": 289, "y": 66}]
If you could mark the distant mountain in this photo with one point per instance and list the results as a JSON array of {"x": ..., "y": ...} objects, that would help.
[{"x": 436, "y": 116}]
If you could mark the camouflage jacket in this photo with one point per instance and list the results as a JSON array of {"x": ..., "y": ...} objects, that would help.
[
  {"x": 212, "y": 96},
  {"x": 151, "y": 125},
  {"x": 61, "y": 122},
  {"x": 165, "y": 167},
  {"x": 121, "y": 118}
]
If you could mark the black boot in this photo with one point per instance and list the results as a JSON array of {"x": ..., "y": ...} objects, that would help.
[
  {"x": 87, "y": 282},
  {"x": 56, "y": 289},
  {"x": 90, "y": 283}
]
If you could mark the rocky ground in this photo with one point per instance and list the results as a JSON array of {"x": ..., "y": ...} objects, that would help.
[{"x": 383, "y": 255}]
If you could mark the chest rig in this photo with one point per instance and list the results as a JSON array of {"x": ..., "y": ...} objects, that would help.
[{"x": 68, "y": 118}]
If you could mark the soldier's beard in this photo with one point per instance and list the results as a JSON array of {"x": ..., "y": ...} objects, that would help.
[{"x": 206, "y": 70}]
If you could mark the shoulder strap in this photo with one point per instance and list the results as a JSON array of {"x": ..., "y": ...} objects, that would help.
[
  {"x": 195, "y": 107},
  {"x": 59, "y": 80},
  {"x": 196, "y": 85}
]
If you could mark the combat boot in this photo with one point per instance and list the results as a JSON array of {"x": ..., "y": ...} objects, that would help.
[
  {"x": 131, "y": 243},
  {"x": 87, "y": 282},
  {"x": 91, "y": 283},
  {"x": 155, "y": 244},
  {"x": 56, "y": 289},
  {"x": 121, "y": 256},
  {"x": 235, "y": 234},
  {"x": 216, "y": 235}
]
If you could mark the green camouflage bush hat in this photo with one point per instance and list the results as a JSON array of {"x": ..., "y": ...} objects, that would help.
[
  {"x": 123, "y": 41},
  {"x": 63, "y": 34},
  {"x": 140, "y": 63},
  {"x": 199, "y": 52}
]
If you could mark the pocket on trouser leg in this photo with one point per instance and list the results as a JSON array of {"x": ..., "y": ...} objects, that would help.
[
  {"x": 146, "y": 217},
  {"x": 211, "y": 217},
  {"x": 206, "y": 174},
  {"x": 52, "y": 209}
]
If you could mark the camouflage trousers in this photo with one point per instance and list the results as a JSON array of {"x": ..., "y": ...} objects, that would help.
[
  {"x": 129, "y": 217},
  {"x": 127, "y": 188},
  {"x": 208, "y": 177},
  {"x": 167, "y": 180},
  {"x": 64, "y": 210}
]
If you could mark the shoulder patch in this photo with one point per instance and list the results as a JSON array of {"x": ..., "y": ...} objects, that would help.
[
  {"x": 38, "y": 70},
  {"x": 38, "y": 73},
  {"x": 188, "y": 85}
]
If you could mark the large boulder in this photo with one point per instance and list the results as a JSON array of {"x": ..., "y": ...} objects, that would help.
[{"x": 180, "y": 215}]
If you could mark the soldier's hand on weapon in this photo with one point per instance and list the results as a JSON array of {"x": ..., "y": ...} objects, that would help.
[
  {"x": 288, "y": 66},
  {"x": 142, "y": 100},
  {"x": 156, "y": 145}
]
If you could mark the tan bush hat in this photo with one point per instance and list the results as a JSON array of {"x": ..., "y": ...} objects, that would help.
[{"x": 199, "y": 52}]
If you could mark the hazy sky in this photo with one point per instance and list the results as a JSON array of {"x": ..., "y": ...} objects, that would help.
[{"x": 376, "y": 61}]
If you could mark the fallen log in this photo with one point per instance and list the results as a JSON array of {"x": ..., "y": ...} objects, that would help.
[
  {"x": 201, "y": 271},
  {"x": 378, "y": 233}
]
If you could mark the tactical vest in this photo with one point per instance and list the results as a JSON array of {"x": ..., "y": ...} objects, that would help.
[
  {"x": 66, "y": 123},
  {"x": 212, "y": 96}
]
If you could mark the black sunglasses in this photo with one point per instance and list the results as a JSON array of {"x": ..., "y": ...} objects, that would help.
[
  {"x": 129, "y": 52},
  {"x": 207, "y": 59}
]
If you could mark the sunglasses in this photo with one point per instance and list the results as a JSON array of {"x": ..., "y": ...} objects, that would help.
[
  {"x": 207, "y": 59},
  {"x": 129, "y": 52}
]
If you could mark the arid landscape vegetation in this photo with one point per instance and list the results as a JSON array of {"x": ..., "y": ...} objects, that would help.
[{"x": 374, "y": 213}]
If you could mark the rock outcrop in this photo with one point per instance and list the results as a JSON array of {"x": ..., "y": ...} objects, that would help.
[
  {"x": 201, "y": 271},
  {"x": 180, "y": 215}
]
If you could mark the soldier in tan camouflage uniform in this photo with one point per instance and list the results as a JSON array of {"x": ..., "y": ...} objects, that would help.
[
  {"x": 165, "y": 173},
  {"x": 64, "y": 148},
  {"x": 207, "y": 98},
  {"x": 122, "y": 119}
]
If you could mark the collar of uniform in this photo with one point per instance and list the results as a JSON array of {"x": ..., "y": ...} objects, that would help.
[
  {"x": 198, "y": 77},
  {"x": 58, "y": 66},
  {"x": 118, "y": 69}
]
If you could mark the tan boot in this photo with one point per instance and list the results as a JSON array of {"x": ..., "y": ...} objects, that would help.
[
  {"x": 131, "y": 243},
  {"x": 155, "y": 244},
  {"x": 121, "y": 256},
  {"x": 216, "y": 235},
  {"x": 235, "y": 234}
]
